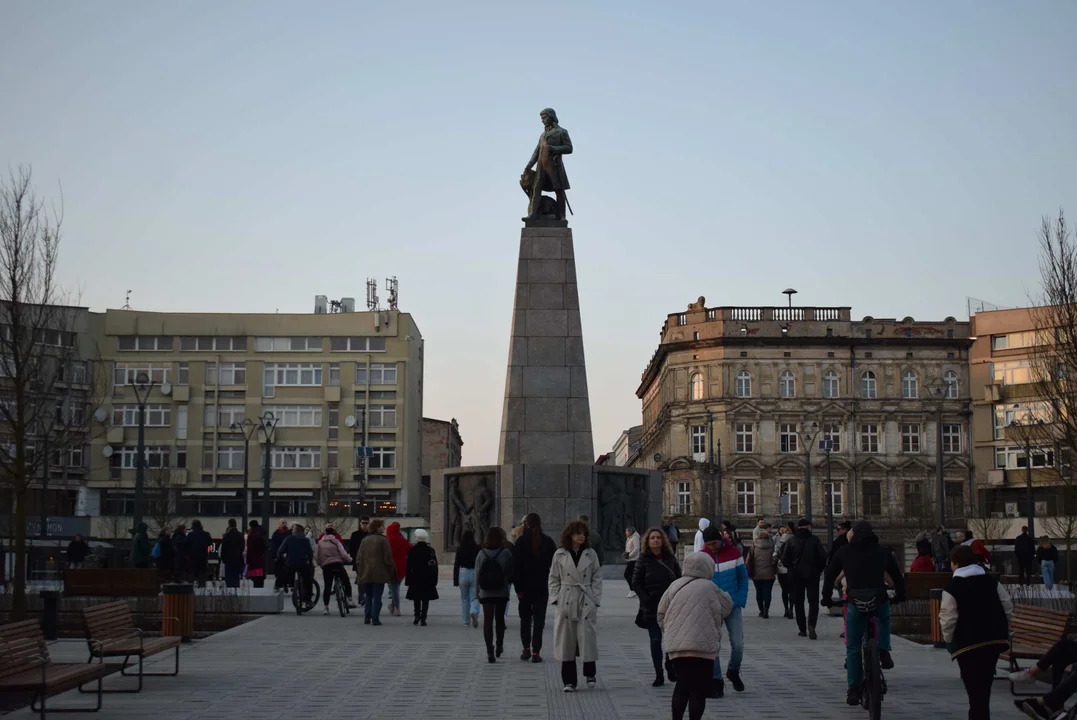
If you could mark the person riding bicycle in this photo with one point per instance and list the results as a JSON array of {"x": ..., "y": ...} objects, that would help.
[
  {"x": 298, "y": 558},
  {"x": 332, "y": 558},
  {"x": 865, "y": 564}
]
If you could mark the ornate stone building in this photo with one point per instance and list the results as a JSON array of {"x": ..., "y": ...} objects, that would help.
[{"x": 739, "y": 398}]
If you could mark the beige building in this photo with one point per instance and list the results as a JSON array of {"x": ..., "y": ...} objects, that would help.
[
  {"x": 743, "y": 393},
  {"x": 333, "y": 382}
]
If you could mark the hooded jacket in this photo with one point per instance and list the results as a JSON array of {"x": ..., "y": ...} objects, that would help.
[
  {"x": 697, "y": 545},
  {"x": 865, "y": 563},
  {"x": 976, "y": 611},
  {"x": 691, "y": 611},
  {"x": 295, "y": 550},
  {"x": 329, "y": 551},
  {"x": 761, "y": 557},
  {"x": 400, "y": 547},
  {"x": 730, "y": 572}
]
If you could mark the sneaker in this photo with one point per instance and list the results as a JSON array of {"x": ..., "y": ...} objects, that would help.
[
  {"x": 734, "y": 678},
  {"x": 852, "y": 697},
  {"x": 569, "y": 688},
  {"x": 630, "y": 595},
  {"x": 536, "y": 658},
  {"x": 591, "y": 682},
  {"x": 885, "y": 661},
  {"x": 526, "y": 654},
  {"x": 1033, "y": 708},
  {"x": 326, "y": 610},
  {"x": 1022, "y": 676}
]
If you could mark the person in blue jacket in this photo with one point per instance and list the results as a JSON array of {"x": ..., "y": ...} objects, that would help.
[{"x": 730, "y": 575}]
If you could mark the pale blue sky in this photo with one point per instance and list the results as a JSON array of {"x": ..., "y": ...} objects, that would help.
[{"x": 891, "y": 156}]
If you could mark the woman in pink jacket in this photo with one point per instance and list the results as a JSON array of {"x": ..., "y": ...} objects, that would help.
[{"x": 332, "y": 558}]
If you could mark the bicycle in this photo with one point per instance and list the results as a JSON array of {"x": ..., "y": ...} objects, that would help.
[
  {"x": 338, "y": 591},
  {"x": 300, "y": 604},
  {"x": 872, "y": 681}
]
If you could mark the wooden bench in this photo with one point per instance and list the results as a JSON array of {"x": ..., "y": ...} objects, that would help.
[
  {"x": 1032, "y": 633},
  {"x": 111, "y": 632},
  {"x": 25, "y": 666},
  {"x": 112, "y": 582}
]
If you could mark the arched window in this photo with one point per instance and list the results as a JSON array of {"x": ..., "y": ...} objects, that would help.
[
  {"x": 949, "y": 379},
  {"x": 868, "y": 386},
  {"x": 831, "y": 385},
  {"x": 744, "y": 384},
  {"x": 787, "y": 385},
  {"x": 910, "y": 386},
  {"x": 697, "y": 386}
]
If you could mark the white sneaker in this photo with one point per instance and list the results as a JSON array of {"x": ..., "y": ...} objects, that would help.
[
  {"x": 326, "y": 611},
  {"x": 591, "y": 682},
  {"x": 1022, "y": 676},
  {"x": 569, "y": 688},
  {"x": 630, "y": 595}
]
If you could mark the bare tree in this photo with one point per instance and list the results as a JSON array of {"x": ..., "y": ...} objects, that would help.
[
  {"x": 333, "y": 508},
  {"x": 163, "y": 510},
  {"x": 45, "y": 386}
]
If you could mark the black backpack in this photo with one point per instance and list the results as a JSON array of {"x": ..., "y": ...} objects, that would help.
[{"x": 491, "y": 574}]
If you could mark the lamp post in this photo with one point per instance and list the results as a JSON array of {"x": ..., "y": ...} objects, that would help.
[
  {"x": 713, "y": 465},
  {"x": 1025, "y": 432},
  {"x": 249, "y": 428},
  {"x": 143, "y": 385},
  {"x": 827, "y": 446},
  {"x": 938, "y": 391},
  {"x": 809, "y": 440},
  {"x": 267, "y": 423}
]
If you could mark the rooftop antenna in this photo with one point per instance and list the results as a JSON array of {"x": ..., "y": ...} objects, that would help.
[
  {"x": 789, "y": 293},
  {"x": 392, "y": 286},
  {"x": 372, "y": 295},
  {"x": 127, "y": 301}
]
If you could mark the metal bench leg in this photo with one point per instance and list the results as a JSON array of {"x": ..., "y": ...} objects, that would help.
[
  {"x": 142, "y": 673},
  {"x": 40, "y": 709}
]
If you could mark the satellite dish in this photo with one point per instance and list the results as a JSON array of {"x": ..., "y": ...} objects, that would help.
[
  {"x": 107, "y": 451},
  {"x": 166, "y": 389},
  {"x": 100, "y": 414},
  {"x": 350, "y": 421}
]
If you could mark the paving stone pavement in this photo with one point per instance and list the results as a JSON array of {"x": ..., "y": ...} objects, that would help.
[{"x": 315, "y": 666}]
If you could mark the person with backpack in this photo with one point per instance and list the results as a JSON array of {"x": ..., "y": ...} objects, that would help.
[
  {"x": 421, "y": 576},
  {"x": 533, "y": 555},
  {"x": 493, "y": 573},
  {"x": 805, "y": 558},
  {"x": 576, "y": 588}
]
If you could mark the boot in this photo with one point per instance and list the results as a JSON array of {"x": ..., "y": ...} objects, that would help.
[
  {"x": 811, "y": 634},
  {"x": 659, "y": 680}
]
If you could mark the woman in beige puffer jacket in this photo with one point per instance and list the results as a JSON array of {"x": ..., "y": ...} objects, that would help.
[
  {"x": 690, "y": 614},
  {"x": 762, "y": 568}
]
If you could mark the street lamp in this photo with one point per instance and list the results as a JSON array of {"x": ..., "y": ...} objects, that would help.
[
  {"x": 143, "y": 385},
  {"x": 1025, "y": 431},
  {"x": 267, "y": 423},
  {"x": 939, "y": 391},
  {"x": 809, "y": 436},
  {"x": 249, "y": 428},
  {"x": 827, "y": 446}
]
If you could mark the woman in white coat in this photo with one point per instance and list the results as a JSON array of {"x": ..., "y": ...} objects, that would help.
[{"x": 575, "y": 592}]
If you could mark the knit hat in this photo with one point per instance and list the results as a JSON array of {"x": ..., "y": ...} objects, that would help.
[
  {"x": 421, "y": 536},
  {"x": 712, "y": 533},
  {"x": 804, "y": 522}
]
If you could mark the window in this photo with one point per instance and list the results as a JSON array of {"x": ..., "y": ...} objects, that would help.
[
  {"x": 787, "y": 438},
  {"x": 832, "y": 432},
  {"x": 868, "y": 386},
  {"x": 951, "y": 438},
  {"x": 1013, "y": 341},
  {"x": 181, "y": 422},
  {"x": 1011, "y": 372},
  {"x": 296, "y": 415},
  {"x": 331, "y": 458},
  {"x": 73, "y": 458},
  {"x": 831, "y": 385},
  {"x": 787, "y": 385},
  {"x": 744, "y": 437},
  {"x": 357, "y": 344},
  {"x": 872, "y": 491},
  {"x": 144, "y": 342},
  {"x": 223, "y": 415},
  {"x": 744, "y": 384},
  {"x": 333, "y": 422},
  {"x": 914, "y": 500},
  {"x": 294, "y": 374},
  {"x": 226, "y": 374},
  {"x": 746, "y": 497},
  {"x": 697, "y": 386},
  {"x": 698, "y": 435},
  {"x": 156, "y": 415},
  {"x": 695, "y": 336},
  {"x": 682, "y": 319},
  {"x": 230, "y": 458},
  {"x": 684, "y": 498},
  {"x": 334, "y": 374},
  {"x": 73, "y": 371},
  {"x": 955, "y": 500},
  {"x": 288, "y": 344},
  {"x": 869, "y": 438},
  {"x": 1021, "y": 412},
  {"x": 289, "y": 458},
  {"x": 1010, "y": 458},
  {"x": 790, "y": 489},
  {"x": 182, "y": 373},
  {"x": 382, "y": 416},
  {"x": 181, "y": 457},
  {"x": 910, "y": 386},
  {"x": 382, "y": 459},
  {"x": 220, "y": 344},
  {"x": 380, "y": 374},
  {"x": 910, "y": 438},
  {"x": 383, "y": 394},
  {"x": 127, "y": 373},
  {"x": 126, "y": 457},
  {"x": 949, "y": 379},
  {"x": 837, "y": 497}
]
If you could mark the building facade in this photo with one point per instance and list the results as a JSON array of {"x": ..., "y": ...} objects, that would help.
[
  {"x": 626, "y": 446},
  {"x": 334, "y": 383},
  {"x": 737, "y": 399},
  {"x": 442, "y": 448}
]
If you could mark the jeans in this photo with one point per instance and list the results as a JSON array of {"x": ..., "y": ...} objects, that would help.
[
  {"x": 763, "y": 593},
  {"x": 1047, "y": 567},
  {"x": 231, "y": 575},
  {"x": 468, "y": 605},
  {"x": 533, "y": 619},
  {"x": 808, "y": 589},
  {"x": 734, "y": 625},
  {"x": 977, "y": 671},
  {"x": 493, "y": 613},
  {"x": 942, "y": 564},
  {"x": 568, "y": 672},
  {"x": 372, "y": 610},
  {"x": 394, "y": 595},
  {"x": 693, "y": 683},
  {"x": 856, "y": 624},
  {"x": 655, "y": 633}
]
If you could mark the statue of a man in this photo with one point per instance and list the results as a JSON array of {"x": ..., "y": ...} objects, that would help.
[{"x": 550, "y": 176}]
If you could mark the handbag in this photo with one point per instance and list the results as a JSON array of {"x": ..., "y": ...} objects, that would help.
[
  {"x": 751, "y": 563},
  {"x": 641, "y": 618}
]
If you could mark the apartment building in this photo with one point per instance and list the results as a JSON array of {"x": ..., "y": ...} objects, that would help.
[
  {"x": 736, "y": 399},
  {"x": 344, "y": 390}
]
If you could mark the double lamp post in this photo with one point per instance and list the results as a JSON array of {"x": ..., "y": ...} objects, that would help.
[{"x": 266, "y": 425}]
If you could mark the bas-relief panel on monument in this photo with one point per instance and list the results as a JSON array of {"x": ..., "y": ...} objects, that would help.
[
  {"x": 621, "y": 502},
  {"x": 470, "y": 507}
]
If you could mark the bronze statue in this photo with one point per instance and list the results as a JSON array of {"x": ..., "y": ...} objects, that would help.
[{"x": 549, "y": 174}]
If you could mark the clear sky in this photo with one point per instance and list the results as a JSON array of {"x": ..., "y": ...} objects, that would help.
[{"x": 246, "y": 156}]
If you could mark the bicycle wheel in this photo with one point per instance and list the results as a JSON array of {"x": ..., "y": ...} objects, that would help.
[
  {"x": 315, "y": 593},
  {"x": 342, "y": 605},
  {"x": 873, "y": 687},
  {"x": 297, "y": 594}
]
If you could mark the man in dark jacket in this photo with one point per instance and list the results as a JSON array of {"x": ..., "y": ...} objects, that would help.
[
  {"x": 533, "y": 554},
  {"x": 140, "y": 547},
  {"x": 941, "y": 545},
  {"x": 840, "y": 541},
  {"x": 280, "y": 575},
  {"x": 298, "y": 557},
  {"x": 77, "y": 550},
  {"x": 357, "y": 537},
  {"x": 806, "y": 559},
  {"x": 232, "y": 546},
  {"x": 1024, "y": 547},
  {"x": 196, "y": 550},
  {"x": 866, "y": 564}
]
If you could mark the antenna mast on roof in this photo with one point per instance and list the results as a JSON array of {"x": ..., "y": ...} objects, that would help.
[
  {"x": 372, "y": 295},
  {"x": 392, "y": 286},
  {"x": 127, "y": 301}
]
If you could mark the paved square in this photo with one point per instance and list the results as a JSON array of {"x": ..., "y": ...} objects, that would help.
[{"x": 314, "y": 666}]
